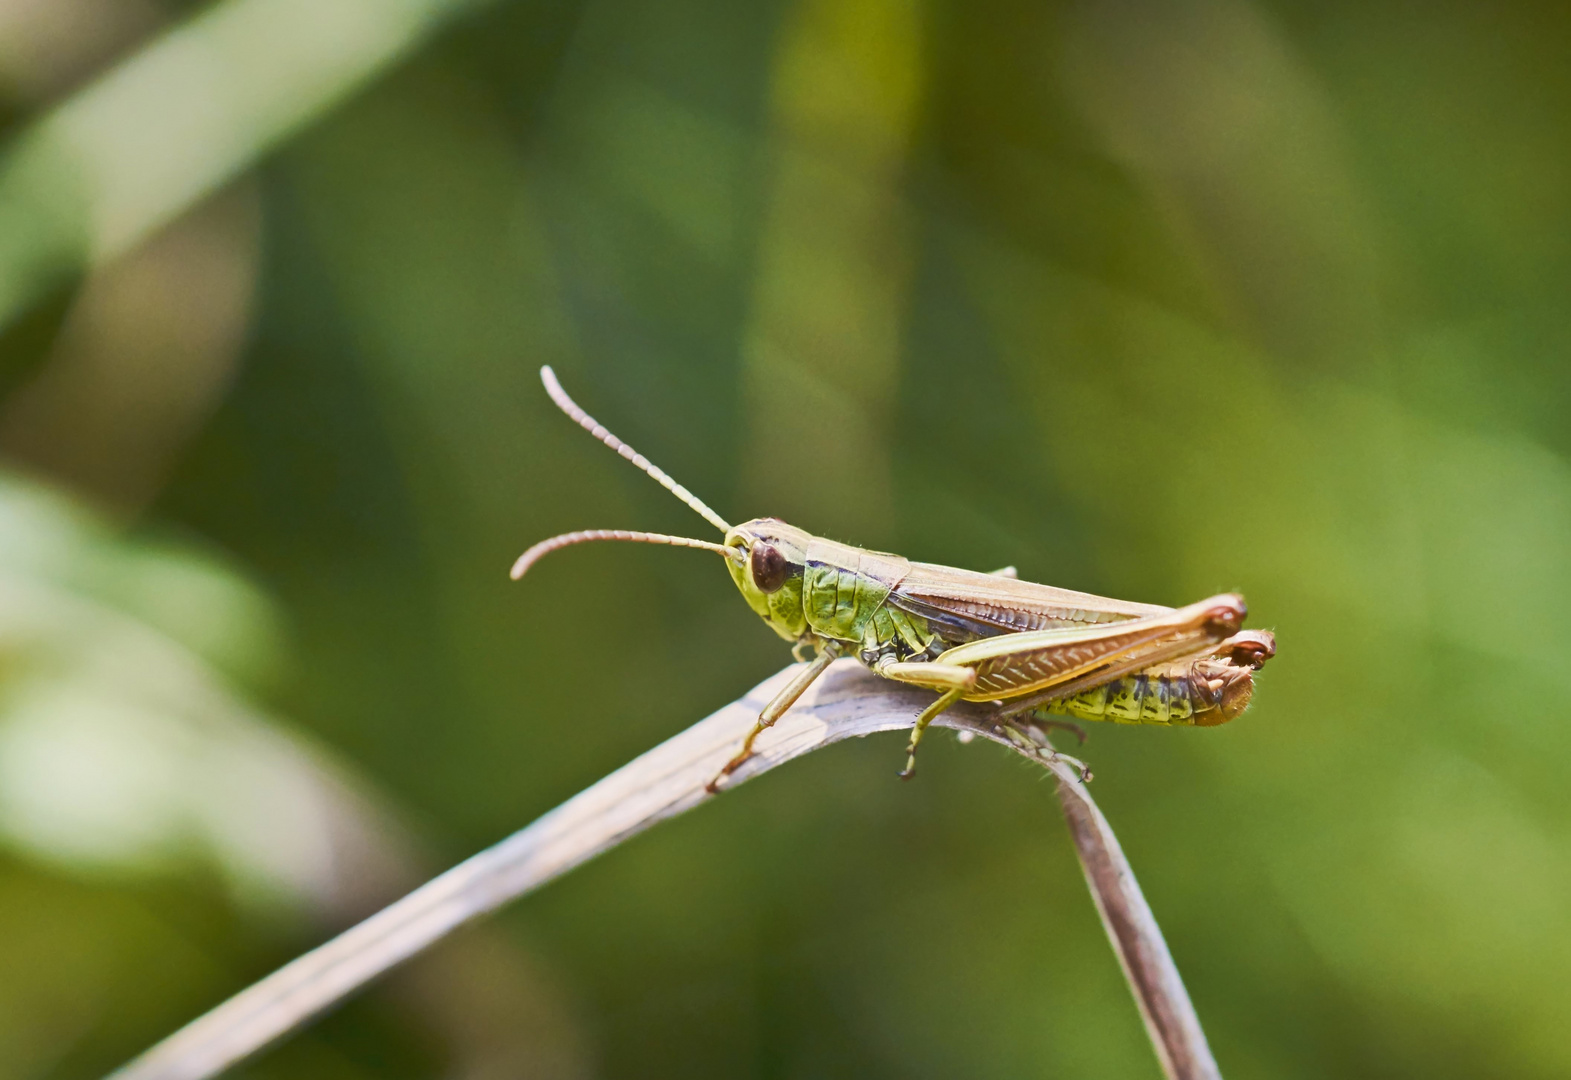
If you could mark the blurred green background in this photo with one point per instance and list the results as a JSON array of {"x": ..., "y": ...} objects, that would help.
[{"x": 1148, "y": 299}]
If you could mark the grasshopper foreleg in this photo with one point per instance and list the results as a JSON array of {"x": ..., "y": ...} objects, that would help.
[{"x": 776, "y": 709}]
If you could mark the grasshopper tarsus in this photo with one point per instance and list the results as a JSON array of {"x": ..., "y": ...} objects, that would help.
[
  {"x": 778, "y": 705},
  {"x": 1079, "y": 766},
  {"x": 713, "y": 787}
]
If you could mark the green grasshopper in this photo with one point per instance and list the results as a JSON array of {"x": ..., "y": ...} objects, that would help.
[{"x": 1031, "y": 649}]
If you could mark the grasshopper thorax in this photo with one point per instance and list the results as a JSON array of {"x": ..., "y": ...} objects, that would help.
[{"x": 767, "y": 567}]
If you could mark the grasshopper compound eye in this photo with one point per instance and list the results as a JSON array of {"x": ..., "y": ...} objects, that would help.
[{"x": 769, "y": 567}]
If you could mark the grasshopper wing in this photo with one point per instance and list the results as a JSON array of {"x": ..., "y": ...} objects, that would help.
[{"x": 963, "y": 605}]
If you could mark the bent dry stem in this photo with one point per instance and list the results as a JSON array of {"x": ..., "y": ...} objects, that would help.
[{"x": 849, "y": 701}]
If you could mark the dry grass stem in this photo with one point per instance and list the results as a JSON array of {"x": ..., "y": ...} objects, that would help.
[{"x": 847, "y": 702}]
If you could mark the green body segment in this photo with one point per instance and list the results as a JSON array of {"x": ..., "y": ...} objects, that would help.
[
  {"x": 843, "y": 587},
  {"x": 1141, "y": 698},
  {"x": 844, "y": 590},
  {"x": 890, "y": 627},
  {"x": 784, "y": 609},
  {"x": 1200, "y": 693}
]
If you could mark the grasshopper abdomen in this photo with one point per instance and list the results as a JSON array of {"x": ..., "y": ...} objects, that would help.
[{"x": 1201, "y": 693}]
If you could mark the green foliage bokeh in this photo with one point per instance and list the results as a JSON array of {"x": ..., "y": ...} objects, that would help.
[{"x": 1148, "y": 300}]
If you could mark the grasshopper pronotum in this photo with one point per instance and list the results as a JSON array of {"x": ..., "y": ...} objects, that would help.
[{"x": 967, "y": 635}]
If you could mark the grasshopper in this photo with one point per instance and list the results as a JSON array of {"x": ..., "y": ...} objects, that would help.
[{"x": 969, "y": 636}]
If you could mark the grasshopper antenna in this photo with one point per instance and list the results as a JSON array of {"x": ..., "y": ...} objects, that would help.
[
  {"x": 598, "y": 430},
  {"x": 545, "y": 547}
]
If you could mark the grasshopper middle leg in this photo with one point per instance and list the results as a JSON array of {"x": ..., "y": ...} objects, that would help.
[
  {"x": 953, "y": 680},
  {"x": 946, "y": 699}
]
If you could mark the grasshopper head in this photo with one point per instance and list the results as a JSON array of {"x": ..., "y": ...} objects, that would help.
[{"x": 767, "y": 566}]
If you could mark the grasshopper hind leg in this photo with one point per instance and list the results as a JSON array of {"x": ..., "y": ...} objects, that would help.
[
  {"x": 1030, "y": 737},
  {"x": 953, "y": 682},
  {"x": 1070, "y": 726}
]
